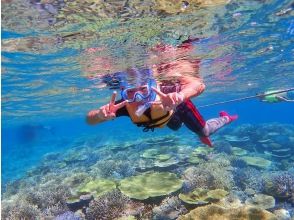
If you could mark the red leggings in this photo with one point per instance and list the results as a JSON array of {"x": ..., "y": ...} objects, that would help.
[{"x": 188, "y": 114}]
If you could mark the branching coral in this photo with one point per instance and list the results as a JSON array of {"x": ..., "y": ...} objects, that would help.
[
  {"x": 108, "y": 206},
  {"x": 46, "y": 196},
  {"x": 55, "y": 210},
  {"x": 248, "y": 178},
  {"x": 280, "y": 185},
  {"x": 195, "y": 177},
  {"x": 170, "y": 208},
  {"x": 138, "y": 210},
  {"x": 20, "y": 209},
  {"x": 67, "y": 216},
  {"x": 113, "y": 168},
  {"x": 223, "y": 147},
  {"x": 34, "y": 202},
  {"x": 214, "y": 174},
  {"x": 238, "y": 162}
]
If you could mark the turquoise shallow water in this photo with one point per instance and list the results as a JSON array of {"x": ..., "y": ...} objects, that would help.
[{"x": 53, "y": 53}]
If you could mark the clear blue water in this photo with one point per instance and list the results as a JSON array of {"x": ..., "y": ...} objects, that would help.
[{"x": 245, "y": 48}]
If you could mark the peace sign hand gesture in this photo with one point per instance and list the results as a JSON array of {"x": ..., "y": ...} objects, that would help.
[
  {"x": 107, "y": 112},
  {"x": 168, "y": 101}
]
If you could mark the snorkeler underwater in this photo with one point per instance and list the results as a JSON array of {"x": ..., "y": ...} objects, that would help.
[{"x": 147, "y": 110}]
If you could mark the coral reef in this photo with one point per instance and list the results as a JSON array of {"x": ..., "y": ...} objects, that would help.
[
  {"x": 44, "y": 200},
  {"x": 204, "y": 151},
  {"x": 280, "y": 185},
  {"x": 201, "y": 196},
  {"x": 261, "y": 201},
  {"x": 194, "y": 177},
  {"x": 282, "y": 214},
  {"x": 152, "y": 153},
  {"x": 213, "y": 174},
  {"x": 20, "y": 209},
  {"x": 84, "y": 179},
  {"x": 194, "y": 159},
  {"x": 55, "y": 210},
  {"x": 46, "y": 196},
  {"x": 238, "y": 162},
  {"x": 67, "y": 216},
  {"x": 248, "y": 177},
  {"x": 149, "y": 185},
  {"x": 75, "y": 203},
  {"x": 97, "y": 187},
  {"x": 273, "y": 140},
  {"x": 117, "y": 169},
  {"x": 215, "y": 212},
  {"x": 257, "y": 162},
  {"x": 237, "y": 151},
  {"x": 166, "y": 163},
  {"x": 138, "y": 210},
  {"x": 108, "y": 206},
  {"x": 170, "y": 208},
  {"x": 223, "y": 147},
  {"x": 74, "y": 180}
]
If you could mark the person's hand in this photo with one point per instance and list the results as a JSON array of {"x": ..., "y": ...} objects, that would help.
[
  {"x": 107, "y": 112},
  {"x": 169, "y": 101}
]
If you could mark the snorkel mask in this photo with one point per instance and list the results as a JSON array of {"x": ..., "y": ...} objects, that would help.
[{"x": 143, "y": 94}]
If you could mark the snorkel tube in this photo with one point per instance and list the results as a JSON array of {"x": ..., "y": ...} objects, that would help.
[{"x": 138, "y": 97}]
